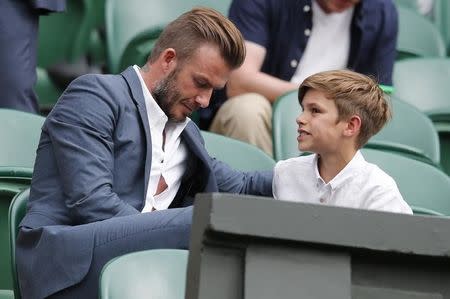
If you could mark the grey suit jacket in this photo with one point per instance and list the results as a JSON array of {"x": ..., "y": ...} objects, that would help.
[{"x": 93, "y": 163}]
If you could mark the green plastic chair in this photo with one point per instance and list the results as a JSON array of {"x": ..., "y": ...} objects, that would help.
[
  {"x": 410, "y": 132},
  {"x": 418, "y": 36},
  {"x": 16, "y": 213},
  {"x": 422, "y": 186},
  {"x": 19, "y": 132},
  {"x": 159, "y": 274},
  {"x": 284, "y": 127},
  {"x": 424, "y": 83},
  {"x": 237, "y": 154},
  {"x": 7, "y": 192},
  {"x": 127, "y": 19}
]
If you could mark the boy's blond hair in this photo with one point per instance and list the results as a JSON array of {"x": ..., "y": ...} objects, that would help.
[{"x": 354, "y": 94}]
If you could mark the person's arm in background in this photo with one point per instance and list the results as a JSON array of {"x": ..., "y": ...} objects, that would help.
[
  {"x": 252, "y": 19},
  {"x": 249, "y": 78},
  {"x": 385, "y": 52}
]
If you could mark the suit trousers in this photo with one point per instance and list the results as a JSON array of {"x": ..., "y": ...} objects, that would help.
[
  {"x": 246, "y": 117},
  {"x": 120, "y": 235}
]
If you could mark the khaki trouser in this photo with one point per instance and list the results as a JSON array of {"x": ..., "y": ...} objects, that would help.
[{"x": 247, "y": 117}]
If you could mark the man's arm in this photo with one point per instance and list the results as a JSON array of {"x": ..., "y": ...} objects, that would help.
[
  {"x": 249, "y": 78},
  {"x": 81, "y": 129}
]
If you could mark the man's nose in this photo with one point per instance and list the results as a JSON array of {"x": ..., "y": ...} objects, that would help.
[{"x": 203, "y": 98}]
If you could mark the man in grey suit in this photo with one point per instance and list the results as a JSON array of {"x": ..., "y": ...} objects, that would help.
[{"x": 119, "y": 162}]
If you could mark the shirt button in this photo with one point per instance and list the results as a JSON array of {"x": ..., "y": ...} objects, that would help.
[
  {"x": 294, "y": 63},
  {"x": 322, "y": 200},
  {"x": 307, "y": 32},
  {"x": 306, "y": 8}
]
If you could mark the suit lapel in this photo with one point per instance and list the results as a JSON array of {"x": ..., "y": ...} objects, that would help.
[{"x": 138, "y": 98}]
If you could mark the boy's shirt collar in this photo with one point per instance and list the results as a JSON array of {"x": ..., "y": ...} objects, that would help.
[{"x": 350, "y": 170}]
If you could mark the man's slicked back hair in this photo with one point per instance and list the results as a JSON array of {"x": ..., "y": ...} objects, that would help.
[{"x": 201, "y": 26}]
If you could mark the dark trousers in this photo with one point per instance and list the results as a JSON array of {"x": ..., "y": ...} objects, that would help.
[{"x": 18, "y": 53}]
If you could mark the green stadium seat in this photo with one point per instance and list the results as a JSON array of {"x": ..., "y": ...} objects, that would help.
[
  {"x": 422, "y": 185},
  {"x": 159, "y": 273},
  {"x": 418, "y": 36},
  {"x": 16, "y": 212},
  {"x": 424, "y": 83},
  {"x": 19, "y": 133},
  {"x": 239, "y": 155}
]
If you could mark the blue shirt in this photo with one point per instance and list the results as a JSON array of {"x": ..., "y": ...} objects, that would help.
[{"x": 280, "y": 26}]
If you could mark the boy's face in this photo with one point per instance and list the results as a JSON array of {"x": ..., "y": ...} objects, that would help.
[{"x": 318, "y": 126}]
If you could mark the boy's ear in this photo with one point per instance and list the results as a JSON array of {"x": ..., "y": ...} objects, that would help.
[{"x": 353, "y": 126}]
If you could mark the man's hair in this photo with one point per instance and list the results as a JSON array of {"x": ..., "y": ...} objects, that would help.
[
  {"x": 201, "y": 26},
  {"x": 354, "y": 94}
]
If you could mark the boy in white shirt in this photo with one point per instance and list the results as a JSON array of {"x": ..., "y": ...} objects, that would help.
[{"x": 341, "y": 111}]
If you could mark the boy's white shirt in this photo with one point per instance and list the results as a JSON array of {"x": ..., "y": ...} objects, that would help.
[{"x": 360, "y": 185}]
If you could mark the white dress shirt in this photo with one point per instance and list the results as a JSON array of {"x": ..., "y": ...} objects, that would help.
[
  {"x": 328, "y": 45},
  {"x": 360, "y": 185},
  {"x": 170, "y": 162}
]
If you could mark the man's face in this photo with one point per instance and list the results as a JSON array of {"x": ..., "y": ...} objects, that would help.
[
  {"x": 190, "y": 85},
  {"x": 332, "y": 6}
]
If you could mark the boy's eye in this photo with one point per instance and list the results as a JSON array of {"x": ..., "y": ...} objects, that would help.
[{"x": 315, "y": 110}]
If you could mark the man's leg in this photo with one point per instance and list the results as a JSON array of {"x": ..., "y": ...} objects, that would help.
[
  {"x": 18, "y": 54},
  {"x": 118, "y": 236},
  {"x": 247, "y": 117}
]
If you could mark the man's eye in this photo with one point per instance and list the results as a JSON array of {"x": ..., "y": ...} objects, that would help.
[{"x": 201, "y": 84}]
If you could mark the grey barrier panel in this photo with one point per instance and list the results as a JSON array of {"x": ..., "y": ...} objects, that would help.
[{"x": 254, "y": 247}]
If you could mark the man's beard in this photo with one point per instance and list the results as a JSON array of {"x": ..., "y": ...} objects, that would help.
[{"x": 166, "y": 95}]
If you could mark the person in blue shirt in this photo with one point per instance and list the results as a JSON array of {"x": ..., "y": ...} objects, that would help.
[{"x": 286, "y": 41}]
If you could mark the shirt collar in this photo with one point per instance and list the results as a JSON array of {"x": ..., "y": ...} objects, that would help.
[{"x": 349, "y": 171}]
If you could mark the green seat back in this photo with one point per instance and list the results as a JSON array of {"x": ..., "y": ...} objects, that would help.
[
  {"x": 63, "y": 36},
  {"x": 7, "y": 192},
  {"x": 410, "y": 132},
  {"x": 127, "y": 19},
  {"x": 418, "y": 36},
  {"x": 284, "y": 127},
  {"x": 159, "y": 273},
  {"x": 6, "y": 294},
  {"x": 424, "y": 83},
  {"x": 17, "y": 211},
  {"x": 420, "y": 184},
  {"x": 19, "y": 132},
  {"x": 239, "y": 155}
]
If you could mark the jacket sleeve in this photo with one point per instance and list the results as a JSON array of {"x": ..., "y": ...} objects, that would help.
[{"x": 81, "y": 128}]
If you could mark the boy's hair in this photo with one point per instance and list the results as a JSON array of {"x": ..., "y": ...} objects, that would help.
[
  {"x": 354, "y": 94},
  {"x": 201, "y": 26}
]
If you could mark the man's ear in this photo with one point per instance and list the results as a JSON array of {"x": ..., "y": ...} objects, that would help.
[
  {"x": 353, "y": 126},
  {"x": 169, "y": 60}
]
